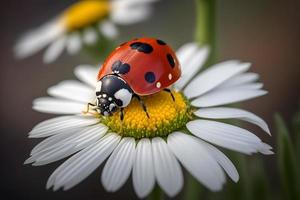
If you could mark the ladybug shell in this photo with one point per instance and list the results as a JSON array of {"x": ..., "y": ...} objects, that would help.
[{"x": 147, "y": 65}]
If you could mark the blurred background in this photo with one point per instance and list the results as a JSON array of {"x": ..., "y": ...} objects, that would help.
[{"x": 263, "y": 32}]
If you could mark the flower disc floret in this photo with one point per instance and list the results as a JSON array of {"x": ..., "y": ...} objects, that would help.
[
  {"x": 165, "y": 116},
  {"x": 84, "y": 13}
]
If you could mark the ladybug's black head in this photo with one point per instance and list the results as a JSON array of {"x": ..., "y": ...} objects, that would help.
[
  {"x": 112, "y": 93},
  {"x": 106, "y": 107}
]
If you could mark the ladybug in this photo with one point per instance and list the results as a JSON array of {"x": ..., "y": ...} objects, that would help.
[{"x": 136, "y": 68}]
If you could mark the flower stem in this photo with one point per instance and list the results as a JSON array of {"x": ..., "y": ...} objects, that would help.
[
  {"x": 193, "y": 188},
  {"x": 205, "y": 26},
  {"x": 156, "y": 194}
]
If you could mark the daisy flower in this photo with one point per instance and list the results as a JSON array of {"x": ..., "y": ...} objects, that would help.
[
  {"x": 81, "y": 24},
  {"x": 180, "y": 133}
]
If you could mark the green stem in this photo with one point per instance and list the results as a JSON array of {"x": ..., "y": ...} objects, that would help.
[
  {"x": 205, "y": 26},
  {"x": 156, "y": 194},
  {"x": 193, "y": 188}
]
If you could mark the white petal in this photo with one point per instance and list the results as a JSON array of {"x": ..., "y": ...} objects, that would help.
[
  {"x": 37, "y": 39},
  {"x": 55, "y": 50},
  {"x": 191, "y": 62},
  {"x": 126, "y": 15},
  {"x": 232, "y": 113},
  {"x": 53, "y": 140},
  {"x": 223, "y": 161},
  {"x": 186, "y": 52},
  {"x": 76, "y": 134},
  {"x": 251, "y": 86},
  {"x": 79, "y": 139},
  {"x": 87, "y": 74},
  {"x": 167, "y": 170},
  {"x": 74, "y": 43},
  {"x": 108, "y": 29},
  {"x": 118, "y": 167},
  {"x": 72, "y": 90},
  {"x": 143, "y": 170},
  {"x": 226, "y": 96},
  {"x": 60, "y": 124},
  {"x": 58, "y": 106},
  {"x": 132, "y": 2},
  {"x": 82, "y": 164},
  {"x": 227, "y": 136},
  {"x": 195, "y": 157},
  {"x": 90, "y": 36},
  {"x": 213, "y": 77},
  {"x": 51, "y": 155},
  {"x": 240, "y": 79}
]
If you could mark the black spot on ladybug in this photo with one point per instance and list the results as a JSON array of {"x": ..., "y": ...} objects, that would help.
[
  {"x": 150, "y": 77},
  {"x": 171, "y": 60},
  {"x": 161, "y": 42},
  {"x": 125, "y": 68},
  {"x": 142, "y": 47},
  {"x": 116, "y": 65},
  {"x": 120, "y": 68}
]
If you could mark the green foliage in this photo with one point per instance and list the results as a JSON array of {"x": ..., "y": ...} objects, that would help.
[
  {"x": 100, "y": 50},
  {"x": 193, "y": 189},
  {"x": 156, "y": 194},
  {"x": 259, "y": 181},
  {"x": 287, "y": 161},
  {"x": 296, "y": 131}
]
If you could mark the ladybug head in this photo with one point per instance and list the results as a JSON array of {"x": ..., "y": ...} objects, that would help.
[
  {"x": 112, "y": 93},
  {"x": 106, "y": 107}
]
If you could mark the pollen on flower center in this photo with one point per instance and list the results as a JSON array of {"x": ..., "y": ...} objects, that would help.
[
  {"x": 165, "y": 115},
  {"x": 84, "y": 13}
]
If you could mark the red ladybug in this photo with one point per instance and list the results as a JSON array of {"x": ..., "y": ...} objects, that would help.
[{"x": 136, "y": 68}]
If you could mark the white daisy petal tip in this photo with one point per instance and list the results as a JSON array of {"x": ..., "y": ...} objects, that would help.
[
  {"x": 87, "y": 74},
  {"x": 232, "y": 113},
  {"x": 192, "y": 59},
  {"x": 90, "y": 36},
  {"x": 57, "y": 106},
  {"x": 118, "y": 167},
  {"x": 143, "y": 170},
  {"x": 227, "y": 136},
  {"x": 74, "y": 43},
  {"x": 28, "y": 161},
  {"x": 195, "y": 156},
  {"x": 226, "y": 96},
  {"x": 83, "y": 163},
  {"x": 108, "y": 29},
  {"x": 38, "y": 38},
  {"x": 167, "y": 170},
  {"x": 214, "y": 77},
  {"x": 54, "y": 50},
  {"x": 266, "y": 149}
]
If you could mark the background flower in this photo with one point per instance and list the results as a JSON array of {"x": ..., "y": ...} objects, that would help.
[{"x": 82, "y": 23}]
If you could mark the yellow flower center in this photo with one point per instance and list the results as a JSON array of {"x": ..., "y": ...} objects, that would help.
[
  {"x": 165, "y": 115},
  {"x": 84, "y": 13}
]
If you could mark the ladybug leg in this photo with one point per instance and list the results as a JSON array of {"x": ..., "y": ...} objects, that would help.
[
  {"x": 94, "y": 107},
  {"x": 169, "y": 91},
  {"x": 122, "y": 114},
  {"x": 142, "y": 104}
]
